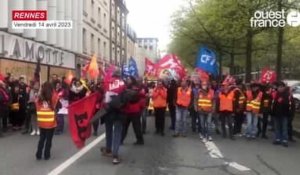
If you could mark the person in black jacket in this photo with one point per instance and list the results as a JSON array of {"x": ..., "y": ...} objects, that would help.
[
  {"x": 77, "y": 91},
  {"x": 171, "y": 100},
  {"x": 4, "y": 106},
  {"x": 265, "y": 110},
  {"x": 281, "y": 110}
]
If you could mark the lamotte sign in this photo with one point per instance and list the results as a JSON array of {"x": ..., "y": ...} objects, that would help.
[
  {"x": 18, "y": 48},
  {"x": 275, "y": 18}
]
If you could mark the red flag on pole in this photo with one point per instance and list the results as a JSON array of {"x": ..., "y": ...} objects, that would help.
[
  {"x": 171, "y": 61},
  {"x": 150, "y": 67},
  {"x": 80, "y": 114},
  {"x": 268, "y": 76}
]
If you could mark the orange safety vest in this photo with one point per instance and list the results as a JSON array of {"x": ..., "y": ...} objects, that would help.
[
  {"x": 249, "y": 99},
  {"x": 45, "y": 117},
  {"x": 184, "y": 97},
  {"x": 256, "y": 103},
  {"x": 226, "y": 101},
  {"x": 159, "y": 100},
  {"x": 205, "y": 101}
]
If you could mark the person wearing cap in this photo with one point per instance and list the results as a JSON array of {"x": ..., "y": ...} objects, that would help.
[
  {"x": 226, "y": 98},
  {"x": 4, "y": 105},
  {"x": 281, "y": 110},
  {"x": 184, "y": 95},
  {"x": 254, "y": 96},
  {"x": 204, "y": 107},
  {"x": 265, "y": 111}
]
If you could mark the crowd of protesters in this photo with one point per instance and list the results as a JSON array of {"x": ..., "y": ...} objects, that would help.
[{"x": 225, "y": 108}]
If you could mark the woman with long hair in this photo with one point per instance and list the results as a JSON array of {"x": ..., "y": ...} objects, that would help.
[{"x": 45, "y": 106}]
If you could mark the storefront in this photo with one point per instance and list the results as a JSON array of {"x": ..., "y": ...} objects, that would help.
[{"x": 19, "y": 56}]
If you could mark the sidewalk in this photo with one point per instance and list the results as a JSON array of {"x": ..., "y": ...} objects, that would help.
[{"x": 296, "y": 125}]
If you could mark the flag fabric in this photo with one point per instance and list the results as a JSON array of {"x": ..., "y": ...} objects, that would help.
[
  {"x": 268, "y": 76},
  {"x": 93, "y": 69},
  {"x": 203, "y": 76},
  {"x": 108, "y": 76},
  {"x": 150, "y": 68},
  {"x": 80, "y": 114},
  {"x": 171, "y": 61},
  {"x": 206, "y": 60},
  {"x": 133, "y": 69},
  {"x": 125, "y": 71},
  {"x": 69, "y": 77},
  {"x": 229, "y": 80}
]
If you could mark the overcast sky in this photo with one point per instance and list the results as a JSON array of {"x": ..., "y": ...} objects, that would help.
[{"x": 151, "y": 18}]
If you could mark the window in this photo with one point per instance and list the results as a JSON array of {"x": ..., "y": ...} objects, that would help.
[
  {"x": 92, "y": 8},
  {"x": 84, "y": 40},
  {"x": 104, "y": 49},
  {"x": 99, "y": 16},
  {"x": 104, "y": 20},
  {"x": 92, "y": 44},
  {"x": 99, "y": 46}
]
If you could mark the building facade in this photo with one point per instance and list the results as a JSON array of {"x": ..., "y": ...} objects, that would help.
[
  {"x": 118, "y": 26},
  {"x": 151, "y": 47},
  {"x": 131, "y": 42},
  {"x": 21, "y": 48},
  {"x": 99, "y": 28}
]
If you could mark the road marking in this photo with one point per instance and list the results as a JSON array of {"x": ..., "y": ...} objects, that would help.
[
  {"x": 215, "y": 153},
  {"x": 76, "y": 156}
]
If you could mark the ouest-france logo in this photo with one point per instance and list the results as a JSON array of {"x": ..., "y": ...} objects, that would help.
[{"x": 275, "y": 18}]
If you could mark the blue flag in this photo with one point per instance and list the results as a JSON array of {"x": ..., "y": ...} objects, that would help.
[
  {"x": 207, "y": 61},
  {"x": 125, "y": 72},
  {"x": 132, "y": 66}
]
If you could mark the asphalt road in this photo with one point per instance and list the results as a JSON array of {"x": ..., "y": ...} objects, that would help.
[{"x": 159, "y": 156}]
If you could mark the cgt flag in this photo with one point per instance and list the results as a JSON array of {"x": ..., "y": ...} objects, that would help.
[
  {"x": 206, "y": 60},
  {"x": 80, "y": 114},
  {"x": 268, "y": 76}
]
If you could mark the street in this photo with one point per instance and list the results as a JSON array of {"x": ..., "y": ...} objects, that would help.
[{"x": 160, "y": 155}]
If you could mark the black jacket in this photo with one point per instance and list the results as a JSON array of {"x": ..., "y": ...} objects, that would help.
[{"x": 282, "y": 104}]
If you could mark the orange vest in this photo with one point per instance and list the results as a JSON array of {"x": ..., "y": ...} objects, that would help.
[
  {"x": 184, "y": 97},
  {"x": 205, "y": 101},
  {"x": 249, "y": 99},
  {"x": 159, "y": 98},
  {"x": 226, "y": 102},
  {"x": 256, "y": 103},
  {"x": 45, "y": 117}
]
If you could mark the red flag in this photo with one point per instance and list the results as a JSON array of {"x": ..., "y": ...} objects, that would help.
[
  {"x": 203, "y": 76},
  {"x": 108, "y": 76},
  {"x": 171, "y": 61},
  {"x": 268, "y": 76},
  {"x": 229, "y": 80},
  {"x": 80, "y": 114},
  {"x": 150, "y": 68}
]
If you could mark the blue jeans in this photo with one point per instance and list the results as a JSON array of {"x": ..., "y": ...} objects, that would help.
[
  {"x": 206, "y": 124},
  {"x": 60, "y": 123},
  {"x": 181, "y": 117},
  {"x": 252, "y": 120},
  {"x": 281, "y": 131},
  {"x": 113, "y": 135}
]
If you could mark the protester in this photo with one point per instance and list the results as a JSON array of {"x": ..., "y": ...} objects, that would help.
[
  {"x": 15, "y": 114},
  {"x": 226, "y": 109},
  {"x": 281, "y": 109},
  {"x": 61, "y": 108},
  {"x": 184, "y": 93},
  {"x": 99, "y": 105},
  {"x": 239, "y": 108},
  {"x": 145, "y": 90},
  {"x": 159, "y": 97},
  {"x": 77, "y": 91},
  {"x": 265, "y": 110},
  {"x": 46, "y": 120},
  {"x": 291, "y": 117},
  {"x": 4, "y": 105},
  {"x": 133, "y": 111},
  {"x": 31, "y": 121},
  {"x": 23, "y": 99},
  {"x": 196, "y": 123},
  {"x": 204, "y": 107},
  {"x": 171, "y": 99},
  {"x": 254, "y": 97},
  {"x": 114, "y": 118}
]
